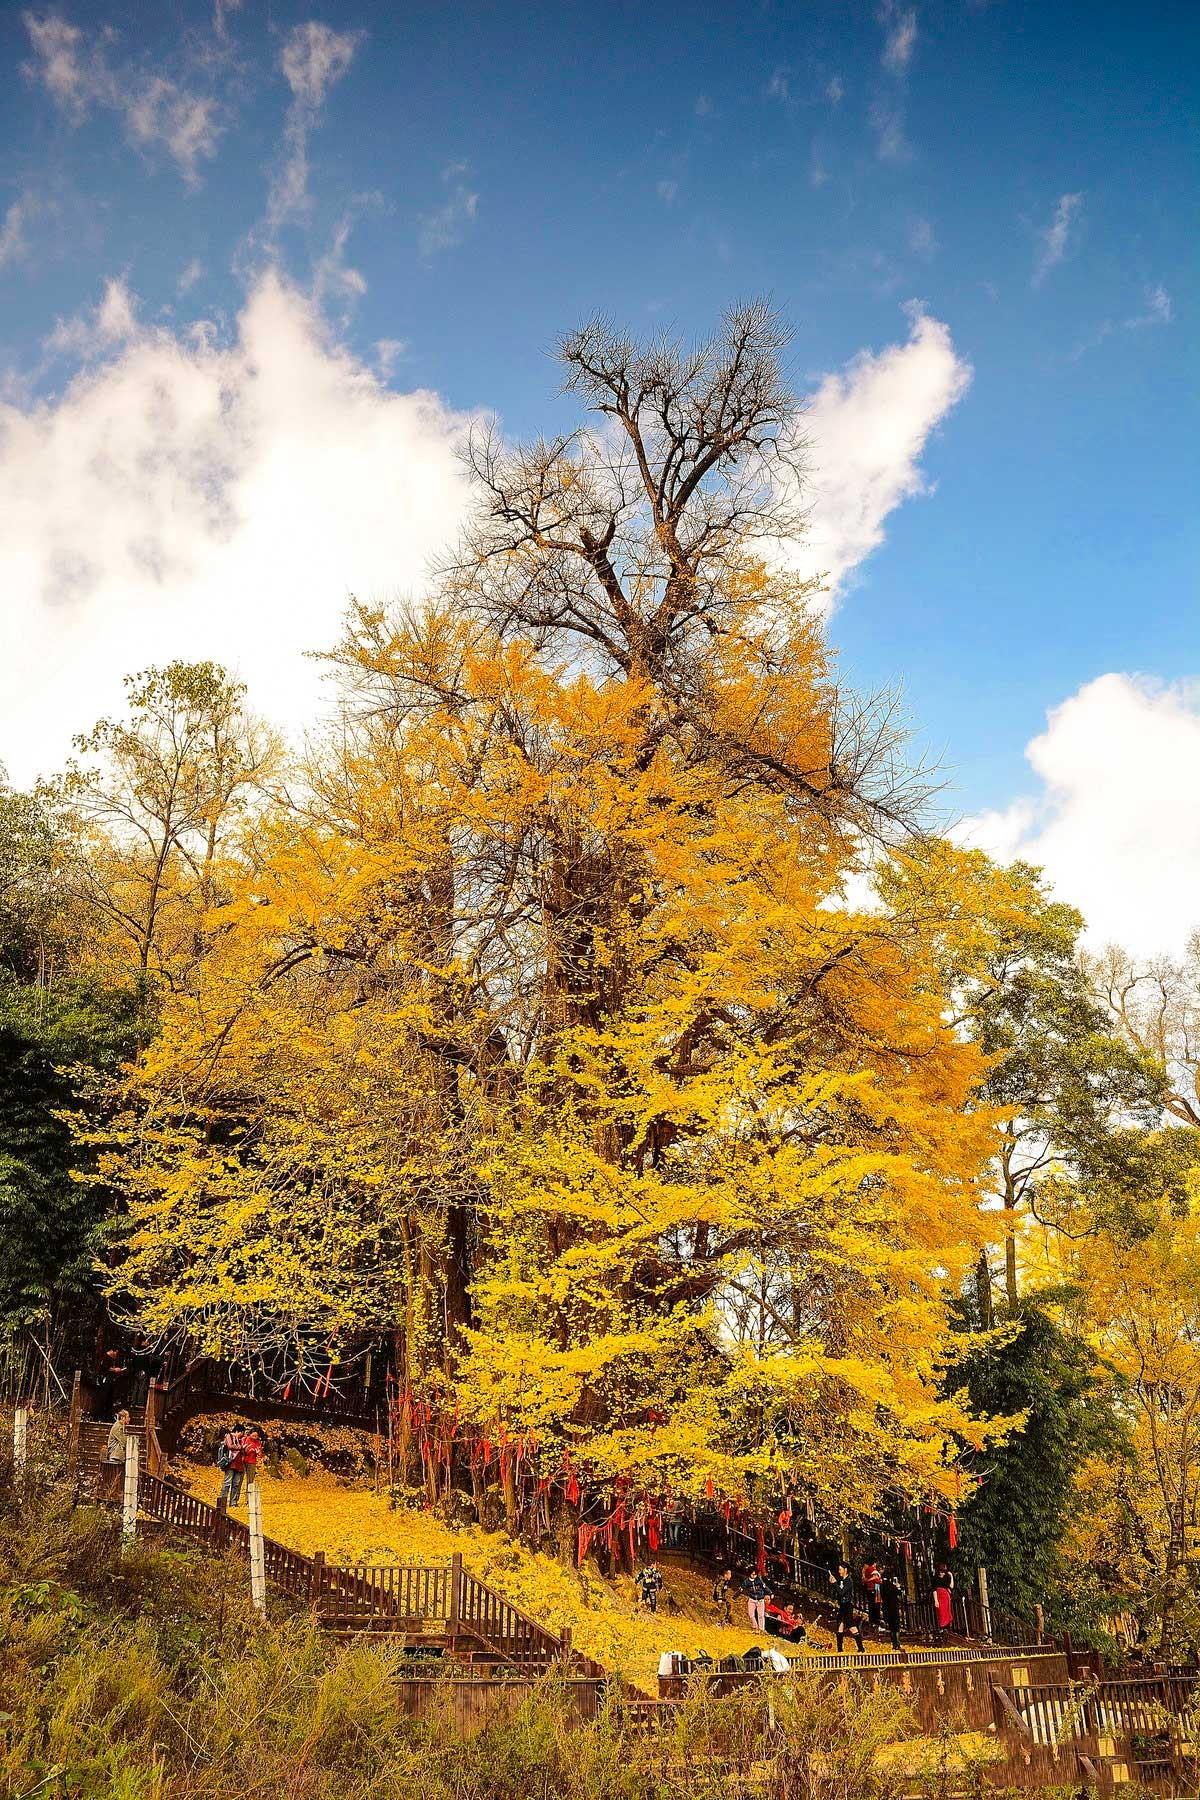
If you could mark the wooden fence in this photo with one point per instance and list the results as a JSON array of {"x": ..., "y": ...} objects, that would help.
[{"x": 391, "y": 1597}]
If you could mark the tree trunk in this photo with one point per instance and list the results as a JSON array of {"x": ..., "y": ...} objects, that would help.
[
  {"x": 566, "y": 1532},
  {"x": 1010, "y": 1254},
  {"x": 983, "y": 1292}
]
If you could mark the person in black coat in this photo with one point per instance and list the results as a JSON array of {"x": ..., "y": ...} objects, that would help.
[
  {"x": 847, "y": 1609},
  {"x": 892, "y": 1600}
]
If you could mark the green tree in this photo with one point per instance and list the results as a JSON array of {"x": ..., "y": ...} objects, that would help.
[
  {"x": 1075, "y": 1098},
  {"x": 1015, "y": 1522}
]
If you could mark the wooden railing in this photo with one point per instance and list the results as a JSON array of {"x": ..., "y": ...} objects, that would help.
[
  {"x": 504, "y": 1628},
  {"x": 206, "y": 1383},
  {"x": 380, "y": 1596},
  {"x": 1154, "y": 1719},
  {"x": 716, "y": 1542},
  {"x": 395, "y": 1592},
  {"x": 182, "y": 1511}
]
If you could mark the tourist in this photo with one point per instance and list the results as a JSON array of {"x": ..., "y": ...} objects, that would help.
[
  {"x": 253, "y": 1445},
  {"x": 756, "y": 1601},
  {"x": 943, "y": 1601},
  {"x": 229, "y": 1461},
  {"x": 872, "y": 1580},
  {"x": 892, "y": 1602},
  {"x": 723, "y": 1596},
  {"x": 118, "y": 1436},
  {"x": 649, "y": 1583},
  {"x": 847, "y": 1611}
]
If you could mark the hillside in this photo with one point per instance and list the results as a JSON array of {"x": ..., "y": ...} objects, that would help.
[{"x": 353, "y": 1524}]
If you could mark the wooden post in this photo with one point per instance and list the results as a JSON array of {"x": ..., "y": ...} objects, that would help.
[
  {"x": 318, "y": 1575},
  {"x": 985, "y": 1609},
  {"x": 258, "y": 1573},
  {"x": 455, "y": 1610},
  {"x": 74, "y": 1418},
  {"x": 20, "y": 1446},
  {"x": 1039, "y": 1614},
  {"x": 129, "y": 1510}
]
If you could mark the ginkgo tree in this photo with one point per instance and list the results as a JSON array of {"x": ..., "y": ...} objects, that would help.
[{"x": 533, "y": 1028}]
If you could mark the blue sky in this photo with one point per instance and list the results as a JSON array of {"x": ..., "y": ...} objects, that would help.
[{"x": 460, "y": 184}]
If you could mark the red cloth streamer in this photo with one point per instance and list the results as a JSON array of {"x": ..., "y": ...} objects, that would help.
[
  {"x": 573, "y": 1491},
  {"x": 710, "y": 1487},
  {"x": 952, "y": 1531}
]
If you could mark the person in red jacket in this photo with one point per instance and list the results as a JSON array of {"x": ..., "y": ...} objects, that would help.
[{"x": 251, "y": 1453}]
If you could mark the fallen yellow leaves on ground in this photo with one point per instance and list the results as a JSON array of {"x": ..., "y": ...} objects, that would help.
[{"x": 355, "y": 1525}]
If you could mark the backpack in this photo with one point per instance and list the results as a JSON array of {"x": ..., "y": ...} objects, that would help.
[{"x": 225, "y": 1456}]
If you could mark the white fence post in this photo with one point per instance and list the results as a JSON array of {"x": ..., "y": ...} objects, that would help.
[
  {"x": 20, "y": 1446},
  {"x": 129, "y": 1510},
  {"x": 258, "y": 1572},
  {"x": 984, "y": 1603}
]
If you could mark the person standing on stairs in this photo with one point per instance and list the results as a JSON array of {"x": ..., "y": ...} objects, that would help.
[
  {"x": 114, "y": 1450},
  {"x": 756, "y": 1601},
  {"x": 723, "y": 1596},
  {"x": 847, "y": 1610},
  {"x": 229, "y": 1454},
  {"x": 892, "y": 1602},
  {"x": 872, "y": 1580}
]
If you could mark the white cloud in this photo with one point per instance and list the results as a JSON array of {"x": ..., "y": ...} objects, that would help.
[
  {"x": 703, "y": 106},
  {"x": 666, "y": 191},
  {"x": 111, "y": 323},
  {"x": 333, "y": 277},
  {"x": 1113, "y": 822},
  {"x": 868, "y": 427},
  {"x": 446, "y": 226},
  {"x": 189, "y": 276},
  {"x": 835, "y": 91},
  {"x": 1158, "y": 309},
  {"x": 191, "y": 497},
  {"x": 314, "y": 59},
  {"x": 13, "y": 247},
  {"x": 388, "y": 352},
  {"x": 78, "y": 75},
  {"x": 779, "y": 86},
  {"x": 900, "y": 40},
  {"x": 1054, "y": 241},
  {"x": 221, "y": 11}
]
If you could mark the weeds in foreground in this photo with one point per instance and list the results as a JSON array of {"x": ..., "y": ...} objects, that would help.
[{"x": 146, "y": 1676}]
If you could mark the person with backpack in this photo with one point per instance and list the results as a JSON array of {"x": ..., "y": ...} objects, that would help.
[
  {"x": 756, "y": 1602},
  {"x": 229, "y": 1461},
  {"x": 847, "y": 1611},
  {"x": 648, "y": 1586},
  {"x": 723, "y": 1596}
]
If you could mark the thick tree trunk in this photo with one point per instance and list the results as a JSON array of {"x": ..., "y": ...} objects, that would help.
[{"x": 566, "y": 1531}]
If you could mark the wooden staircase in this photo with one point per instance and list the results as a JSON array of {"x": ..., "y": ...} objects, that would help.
[{"x": 439, "y": 1608}]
